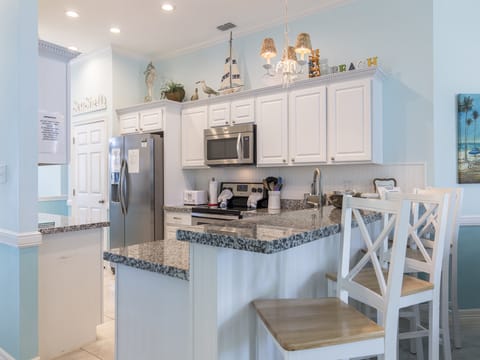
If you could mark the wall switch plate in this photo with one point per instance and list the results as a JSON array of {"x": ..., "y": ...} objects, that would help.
[{"x": 3, "y": 173}]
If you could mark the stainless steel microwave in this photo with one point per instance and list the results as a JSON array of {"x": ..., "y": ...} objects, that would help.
[{"x": 230, "y": 145}]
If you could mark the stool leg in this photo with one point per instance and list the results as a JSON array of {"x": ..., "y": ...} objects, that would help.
[
  {"x": 457, "y": 337},
  {"x": 433, "y": 329},
  {"x": 416, "y": 347},
  {"x": 444, "y": 323}
]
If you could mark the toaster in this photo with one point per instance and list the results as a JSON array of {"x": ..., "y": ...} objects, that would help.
[{"x": 195, "y": 197}]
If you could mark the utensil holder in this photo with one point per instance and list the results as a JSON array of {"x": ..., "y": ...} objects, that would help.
[{"x": 274, "y": 200}]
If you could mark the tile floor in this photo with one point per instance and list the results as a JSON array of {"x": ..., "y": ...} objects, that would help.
[{"x": 103, "y": 348}]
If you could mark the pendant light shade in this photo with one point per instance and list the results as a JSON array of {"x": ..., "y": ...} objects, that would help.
[
  {"x": 303, "y": 45},
  {"x": 289, "y": 54},
  {"x": 268, "y": 49}
]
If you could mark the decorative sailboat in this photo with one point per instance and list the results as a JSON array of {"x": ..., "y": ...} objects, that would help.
[{"x": 231, "y": 81}]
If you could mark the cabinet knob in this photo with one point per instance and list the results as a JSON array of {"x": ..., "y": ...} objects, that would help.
[
  {"x": 136, "y": 129},
  {"x": 141, "y": 129},
  {"x": 284, "y": 160},
  {"x": 332, "y": 158},
  {"x": 101, "y": 201},
  {"x": 293, "y": 159},
  {"x": 233, "y": 121},
  {"x": 226, "y": 122}
]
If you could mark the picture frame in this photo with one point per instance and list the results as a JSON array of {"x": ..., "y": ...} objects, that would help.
[{"x": 468, "y": 138}]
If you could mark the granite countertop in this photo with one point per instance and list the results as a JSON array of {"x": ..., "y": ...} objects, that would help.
[
  {"x": 52, "y": 224},
  {"x": 261, "y": 231},
  {"x": 269, "y": 234},
  {"x": 178, "y": 208},
  {"x": 164, "y": 256}
]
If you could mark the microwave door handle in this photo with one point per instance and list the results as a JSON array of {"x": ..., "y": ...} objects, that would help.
[{"x": 239, "y": 146}]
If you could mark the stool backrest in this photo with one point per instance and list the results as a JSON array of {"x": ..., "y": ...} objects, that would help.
[{"x": 388, "y": 297}]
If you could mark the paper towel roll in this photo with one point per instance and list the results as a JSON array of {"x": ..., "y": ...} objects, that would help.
[{"x": 212, "y": 192}]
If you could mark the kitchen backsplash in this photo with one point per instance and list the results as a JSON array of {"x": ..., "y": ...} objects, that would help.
[{"x": 298, "y": 179}]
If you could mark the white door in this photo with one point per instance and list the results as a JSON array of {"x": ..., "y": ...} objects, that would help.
[
  {"x": 308, "y": 126},
  {"x": 350, "y": 121},
  {"x": 243, "y": 111},
  {"x": 89, "y": 172},
  {"x": 219, "y": 114},
  {"x": 151, "y": 120},
  {"x": 272, "y": 129}
]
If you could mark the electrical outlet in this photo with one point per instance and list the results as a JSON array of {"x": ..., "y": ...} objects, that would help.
[{"x": 3, "y": 173}]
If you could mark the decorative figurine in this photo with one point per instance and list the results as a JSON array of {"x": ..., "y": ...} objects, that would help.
[
  {"x": 195, "y": 95},
  {"x": 352, "y": 67},
  {"x": 372, "y": 61},
  {"x": 207, "y": 89},
  {"x": 150, "y": 75},
  {"x": 313, "y": 64}
]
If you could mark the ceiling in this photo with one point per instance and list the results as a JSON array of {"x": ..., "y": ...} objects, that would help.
[{"x": 148, "y": 31}]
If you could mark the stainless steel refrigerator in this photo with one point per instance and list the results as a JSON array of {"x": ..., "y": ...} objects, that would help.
[{"x": 136, "y": 189}]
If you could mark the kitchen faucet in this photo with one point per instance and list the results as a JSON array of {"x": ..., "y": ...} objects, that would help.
[{"x": 315, "y": 197}]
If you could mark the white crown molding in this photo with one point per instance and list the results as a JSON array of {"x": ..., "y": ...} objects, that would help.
[
  {"x": 20, "y": 240},
  {"x": 5, "y": 356},
  {"x": 56, "y": 50},
  {"x": 469, "y": 220},
  {"x": 108, "y": 50},
  {"x": 321, "y": 6}
]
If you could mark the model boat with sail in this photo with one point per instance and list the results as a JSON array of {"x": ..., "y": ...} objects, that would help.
[{"x": 231, "y": 81}]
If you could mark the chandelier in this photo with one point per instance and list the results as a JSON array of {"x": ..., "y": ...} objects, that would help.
[{"x": 289, "y": 66}]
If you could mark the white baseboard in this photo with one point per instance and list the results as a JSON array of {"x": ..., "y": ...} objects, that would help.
[
  {"x": 20, "y": 240},
  {"x": 469, "y": 220},
  {"x": 469, "y": 313},
  {"x": 5, "y": 356}
]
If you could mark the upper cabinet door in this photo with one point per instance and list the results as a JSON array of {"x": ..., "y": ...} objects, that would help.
[
  {"x": 219, "y": 115},
  {"x": 128, "y": 123},
  {"x": 272, "y": 129},
  {"x": 194, "y": 121},
  {"x": 243, "y": 111},
  {"x": 308, "y": 126},
  {"x": 151, "y": 120},
  {"x": 350, "y": 121}
]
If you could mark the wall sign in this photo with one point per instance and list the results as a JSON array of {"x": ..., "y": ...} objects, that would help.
[
  {"x": 89, "y": 104},
  {"x": 52, "y": 136}
]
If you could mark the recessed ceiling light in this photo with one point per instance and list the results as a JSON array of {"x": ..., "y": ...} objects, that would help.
[
  {"x": 72, "y": 13},
  {"x": 168, "y": 7},
  {"x": 115, "y": 30},
  {"x": 73, "y": 48}
]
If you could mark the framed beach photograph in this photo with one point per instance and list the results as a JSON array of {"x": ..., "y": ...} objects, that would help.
[{"x": 468, "y": 138}]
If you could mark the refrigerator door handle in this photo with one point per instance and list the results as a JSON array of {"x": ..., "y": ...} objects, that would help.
[
  {"x": 125, "y": 186},
  {"x": 120, "y": 187}
]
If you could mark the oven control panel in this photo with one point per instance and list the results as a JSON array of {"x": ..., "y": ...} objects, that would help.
[{"x": 240, "y": 189}]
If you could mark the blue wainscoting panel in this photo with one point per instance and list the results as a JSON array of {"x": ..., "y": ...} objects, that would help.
[
  {"x": 57, "y": 207},
  {"x": 469, "y": 267},
  {"x": 19, "y": 301}
]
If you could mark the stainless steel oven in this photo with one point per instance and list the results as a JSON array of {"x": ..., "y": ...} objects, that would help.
[
  {"x": 199, "y": 218},
  {"x": 230, "y": 145}
]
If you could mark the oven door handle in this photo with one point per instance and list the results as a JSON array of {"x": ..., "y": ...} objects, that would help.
[{"x": 239, "y": 146}]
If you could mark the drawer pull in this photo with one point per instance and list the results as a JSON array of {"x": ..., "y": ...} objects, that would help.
[{"x": 177, "y": 218}]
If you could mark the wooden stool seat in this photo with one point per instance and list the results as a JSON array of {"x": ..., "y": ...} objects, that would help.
[
  {"x": 299, "y": 324},
  {"x": 411, "y": 285}
]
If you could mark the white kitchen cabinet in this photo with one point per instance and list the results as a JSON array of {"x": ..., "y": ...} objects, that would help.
[
  {"x": 354, "y": 121},
  {"x": 236, "y": 112},
  {"x": 194, "y": 121},
  {"x": 150, "y": 120},
  {"x": 272, "y": 129},
  {"x": 219, "y": 114},
  {"x": 173, "y": 221},
  {"x": 307, "y": 136}
]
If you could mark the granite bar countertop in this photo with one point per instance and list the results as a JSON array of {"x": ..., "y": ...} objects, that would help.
[
  {"x": 164, "y": 256},
  {"x": 271, "y": 233},
  {"x": 53, "y": 224}
]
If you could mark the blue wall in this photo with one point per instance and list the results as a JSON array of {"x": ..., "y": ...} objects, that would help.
[{"x": 400, "y": 37}]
